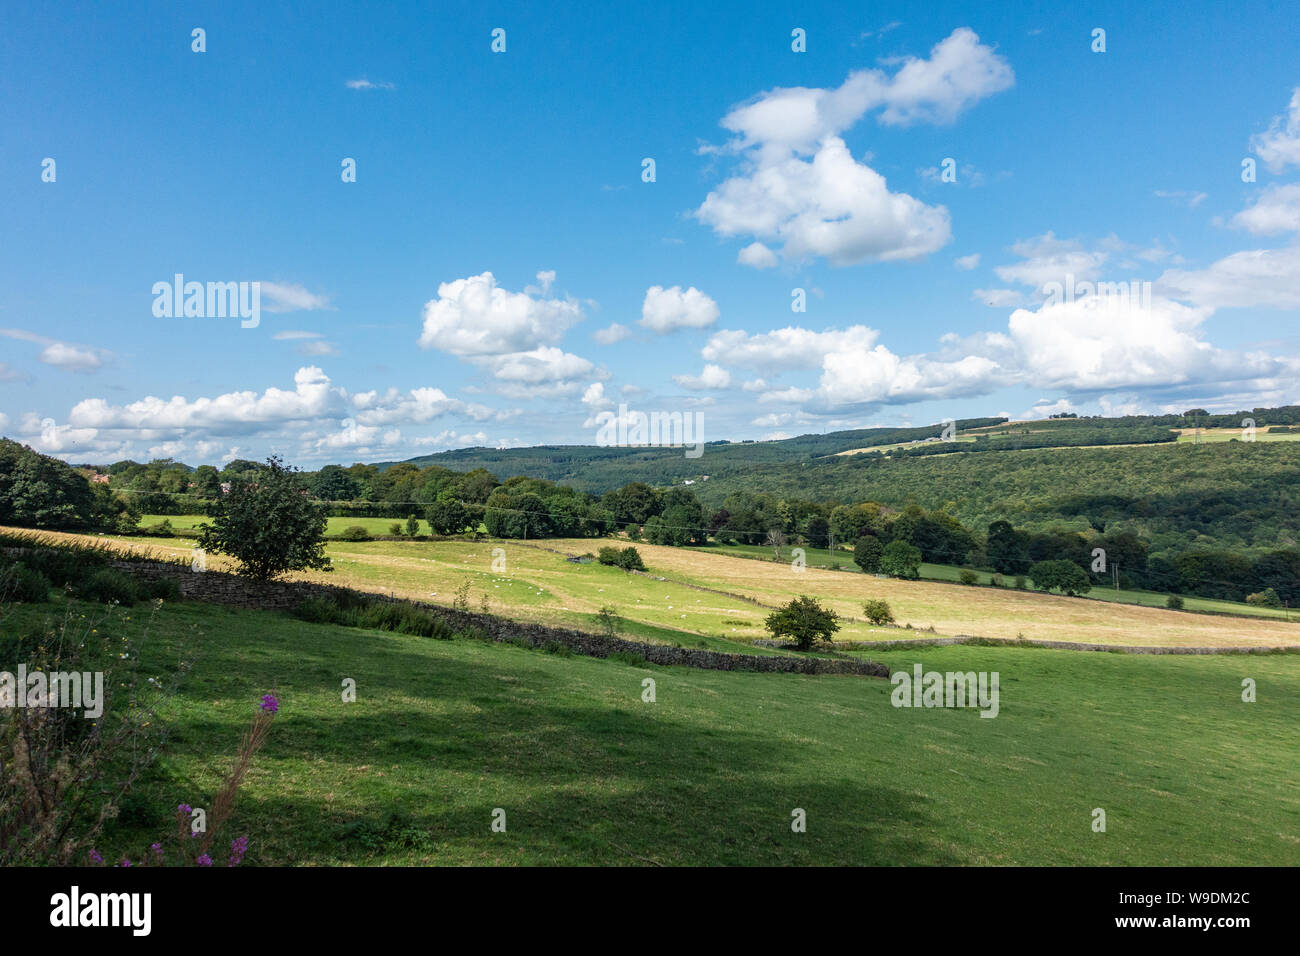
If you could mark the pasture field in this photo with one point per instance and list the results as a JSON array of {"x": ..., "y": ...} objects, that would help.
[
  {"x": 712, "y": 597},
  {"x": 822, "y": 558},
  {"x": 444, "y": 731},
  {"x": 332, "y": 526},
  {"x": 1263, "y": 433},
  {"x": 891, "y": 447}
]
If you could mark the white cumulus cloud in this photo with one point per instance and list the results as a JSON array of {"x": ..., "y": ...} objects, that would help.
[{"x": 667, "y": 310}]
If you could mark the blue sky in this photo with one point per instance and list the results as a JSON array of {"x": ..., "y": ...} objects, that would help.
[{"x": 499, "y": 273}]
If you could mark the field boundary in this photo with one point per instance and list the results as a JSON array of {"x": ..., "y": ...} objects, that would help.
[{"x": 233, "y": 590}]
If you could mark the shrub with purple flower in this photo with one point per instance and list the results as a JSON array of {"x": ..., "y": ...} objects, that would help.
[{"x": 222, "y": 804}]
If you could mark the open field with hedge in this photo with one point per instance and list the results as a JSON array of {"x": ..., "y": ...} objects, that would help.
[
  {"x": 445, "y": 731},
  {"x": 712, "y": 597}
]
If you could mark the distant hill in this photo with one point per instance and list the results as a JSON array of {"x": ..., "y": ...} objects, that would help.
[{"x": 599, "y": 469}]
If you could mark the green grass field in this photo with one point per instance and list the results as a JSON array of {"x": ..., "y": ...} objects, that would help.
[
  {"x": 333, "y": 525},
  {"x": 444, "y": 732}
]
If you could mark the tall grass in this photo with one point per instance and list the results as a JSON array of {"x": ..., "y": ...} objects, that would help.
[{"x": 353, "y": 610}]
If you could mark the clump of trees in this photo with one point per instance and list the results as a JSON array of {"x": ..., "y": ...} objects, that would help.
[
  {"x": 1265, "y": 598},
  {"x": 629, "y": 558},
  {"x": 1064, "y": 576},
  {"x": 37, "y": 491},
  {"x": 534, "y": 508},
  {"x": 901, "y": 560}
]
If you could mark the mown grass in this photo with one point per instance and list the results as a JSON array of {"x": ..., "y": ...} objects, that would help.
[
  {"x": 333, "y": 525},
  {"x": 445, "y": 731},
  {"x": 843, "y": 560}
]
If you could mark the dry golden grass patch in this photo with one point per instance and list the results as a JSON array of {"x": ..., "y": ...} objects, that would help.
[{"x": 954, "y": 609}]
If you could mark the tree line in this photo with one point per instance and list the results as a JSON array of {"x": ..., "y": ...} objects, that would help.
[{"x": 42, "y": 492}]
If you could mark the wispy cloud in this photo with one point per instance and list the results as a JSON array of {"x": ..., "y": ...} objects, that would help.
[
  {"x": 365, "y": 84},
  {"x": 64, "y": 355},
  {"x": 291, "y": 297}
]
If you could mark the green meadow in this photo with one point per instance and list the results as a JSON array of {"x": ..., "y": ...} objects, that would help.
[
  {"x": 375, "y": 526},
  {"x": 444, "y": 732}
]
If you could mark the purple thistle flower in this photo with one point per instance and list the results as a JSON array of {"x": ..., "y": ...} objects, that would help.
[
  {"x": 95, "y": 857},
  {"x": 156, "y": 847},
  {"x": 269, "y": 704},
  {"x": 185, "y": 808},
  {"x": 125, "y": 862},
  {"x": 238, "y": 848},
  {"x": 204, "y": 860}
]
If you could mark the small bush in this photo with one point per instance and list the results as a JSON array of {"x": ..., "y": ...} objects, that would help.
[
  {"x": 1174, "y": 602},
  {"x": 629, "y": 559},
  {"x": 1020, "y": 582},
  {"x": 609, "y": 622},
  {"x": 357, "y": 611},
  {"x": 998, "y": 581},
  {"x": 355, "y": 532},
  {"x": 878, "y": 612},
  {"x": 1265, "y": 598},
  {"x": 24, "y": 585},
  {"x": 967, "y": 576},
  {"x": 393, "y": 832},
  {"x": 395, "y": 528},
  {"x": 318, "y": 610},
  {"x": 631, "y": 658},
  {"x": 461, "y": 601},
  {"x": 558, "y": 649},
  {"x": 109, "y": 586},
  {"x": 165, "y": 589},
  {"x": 63, "y": 566},
  {"x": 404, "y": 619}
]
